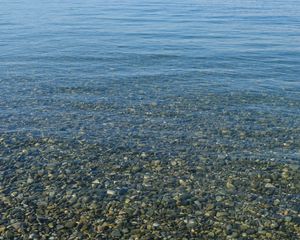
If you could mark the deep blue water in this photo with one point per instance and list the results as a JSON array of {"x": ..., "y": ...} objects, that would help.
[{"x": 153, "y": 72}]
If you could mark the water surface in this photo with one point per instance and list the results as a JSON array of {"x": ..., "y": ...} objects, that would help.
[{"x": 95, "y": 84}]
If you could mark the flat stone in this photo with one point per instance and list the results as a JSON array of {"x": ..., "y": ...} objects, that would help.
[
  {"x": 116, "y": 233},
  {"x": 269, "y": 185},
  {"x": 96, "y": 181},
  {"x": 111, "y": 192},
  {"x": 70, "y": 224},
  {"x": 30, "y": 180}
]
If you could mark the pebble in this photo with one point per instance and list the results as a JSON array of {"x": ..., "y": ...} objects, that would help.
[
  {"x": 59, "y": 227},
  {"x": 190, "y": 223},
  {"x": 269, "y": 185},
  {"x": 276, "y": 202},
  {"x": 116, "y": 233},
  {"x": 221, "y": 214},
  {"x": 96, "y": 181},
  {"x": 111, "y": 192},
  {"x": 70, "y": 224},
  {"x": 288, "y": 218},
  {"x": 155, "y": 224},
  {"x": 30, "y": 180},
  {"x": 219, "y": 198}
]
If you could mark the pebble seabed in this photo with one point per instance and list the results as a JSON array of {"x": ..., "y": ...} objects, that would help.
[
  {"x": 111, "y": 195},
  {"x": 170, "y": 187}
]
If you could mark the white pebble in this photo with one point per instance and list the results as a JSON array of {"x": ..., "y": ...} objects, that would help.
[{"x": 111, "y": 192}]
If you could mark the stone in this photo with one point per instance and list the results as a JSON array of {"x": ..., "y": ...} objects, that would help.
[
  {"x": 155, "y": 224},
  {"x": 276, "y": 202},
  {"x": 219, "y": 198},
  {"x": 269, "y": 185},
  {"x": 116, "y": 233},
  {"x": 30, "y": 180},
  {"x": 111, "y": 192},
  {"x": 96, "y": 181},
  {"x": 70, "y": 224},
  {"x": 288, "y": 218}
]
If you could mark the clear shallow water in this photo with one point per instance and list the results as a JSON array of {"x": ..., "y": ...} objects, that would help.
[
  {"x": 164, "y": 106},
  {"x": 111, "y": 69}
]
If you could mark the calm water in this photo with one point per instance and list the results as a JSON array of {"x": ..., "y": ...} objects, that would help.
[
  {"x": 104, "y": 71},
  {"x": 149, "y": 119},
  {"x": 107, "y": 70}
]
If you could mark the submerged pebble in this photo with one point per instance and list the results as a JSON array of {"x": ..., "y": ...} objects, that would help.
[{"x": 111, "y": 192}]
